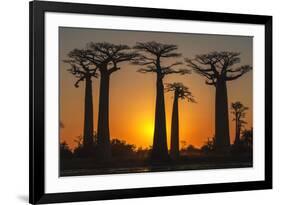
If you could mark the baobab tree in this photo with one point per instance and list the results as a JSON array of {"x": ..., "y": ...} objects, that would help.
[
  {"x": 239, "y": 112},
  {"x": 218, "y": 68},
  {"x": 180, "y": 92},
  {"x": 151, "y": 54},
  {"x": 106, "y": 57},
  {"x": 83, "y": 70}
]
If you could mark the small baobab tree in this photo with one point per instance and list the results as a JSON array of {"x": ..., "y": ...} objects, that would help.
[
  {"x": 218, "y": 68},
  {"x": 180, "y": 92},
  {"x": 151, "y": 55},
  {"x": 106, "y": 57},
  {"x": 239, "y": 112},
  {"x": 84, "y": 70}
]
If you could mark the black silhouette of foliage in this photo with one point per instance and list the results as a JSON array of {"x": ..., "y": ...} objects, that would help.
[
  {"x": 247, "y": 138},
  {"x": 239, "y": 112},
  {"x": 150, "y": 55},
  {"x": 209, "y": 145},
  {"x": 65, "y": 152},
  {"x": 80, "y": 66},
  {"x": 120, "y": 148},
  {"x": 106, "y": 56},
  {"x": 181, "y": 91},
  {"x": 218, "y": 65}
]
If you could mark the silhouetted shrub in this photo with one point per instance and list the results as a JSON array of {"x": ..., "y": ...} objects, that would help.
[
  {"x": 245, "y": 146},
  {"x": 208, "y": 146},
  {"x": 143, "y": 153},
  {"x": 65, "y": 152},
  {"x": 119, "y": 148},
  {"x": 247, "y": 138}
]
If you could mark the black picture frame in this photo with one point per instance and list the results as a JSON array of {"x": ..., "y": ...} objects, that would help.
[{"x": 37, "y": 194}]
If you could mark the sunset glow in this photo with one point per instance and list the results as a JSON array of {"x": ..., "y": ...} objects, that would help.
[{"x": 132, "y": 94}]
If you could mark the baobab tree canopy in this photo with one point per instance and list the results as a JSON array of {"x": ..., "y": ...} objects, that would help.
[
  {"x": 107, "y": 54},
  {"x": 80, "y": 66},
  {"x": 218, "y": 68},
  {"x": 180, "y": 90},
  {"x": 150, "y": 56}
]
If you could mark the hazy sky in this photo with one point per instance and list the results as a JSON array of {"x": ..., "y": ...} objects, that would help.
[{"x": 132, "y": 94}]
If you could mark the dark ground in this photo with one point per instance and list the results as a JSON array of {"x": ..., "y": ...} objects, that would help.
[{"x": 78, "y": 167}]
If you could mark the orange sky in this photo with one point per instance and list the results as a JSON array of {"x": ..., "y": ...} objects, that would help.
[{"x": 132, "y": 94}]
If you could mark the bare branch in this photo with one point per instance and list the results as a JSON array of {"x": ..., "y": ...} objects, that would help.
[
  {"x": 78, "y": 81},
  {"x": 238, "y": 72},
  {"x": 149, "y": 69}
]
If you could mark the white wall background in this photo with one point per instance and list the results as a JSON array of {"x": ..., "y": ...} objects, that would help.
[{"x": 14, "y": 44}]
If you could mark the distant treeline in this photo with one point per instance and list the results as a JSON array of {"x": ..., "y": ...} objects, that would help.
[{"x": 123, "y": 150}]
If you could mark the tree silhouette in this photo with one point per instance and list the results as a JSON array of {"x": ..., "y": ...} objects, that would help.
[
  {"x": 209, "y": 145},
  {"x": 106, "y": 57},
  {"x": 247, "y": 138},
  {"x": 83, "y": 70},
  {"x": 65, "y": 152},
  {"x": 239, "y": 112},
  {"x": 217, "y": 68},
  {"x": 150, "y": 56},
  {"x": 180, "y": 92}
]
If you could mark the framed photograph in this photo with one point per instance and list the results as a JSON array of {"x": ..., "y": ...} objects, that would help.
[{"x": 139, "y": 102}]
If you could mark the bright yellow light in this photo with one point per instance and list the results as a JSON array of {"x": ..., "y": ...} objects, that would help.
[{"x": 148, "y": 129}]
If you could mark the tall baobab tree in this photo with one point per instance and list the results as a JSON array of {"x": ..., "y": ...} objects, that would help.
[
  {"x": 180, "y": 92},
  {"x": 151, "y": 54},
  {"x": 239, "y": 112},
  {"x": 106, "y": 57},
  {"x": 218, "y": 68},
  {"x": 83, "y": 70}
]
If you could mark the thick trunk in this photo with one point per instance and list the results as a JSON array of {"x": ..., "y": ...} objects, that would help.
[
  {"x": 222, "y": 139},
  {"x": 103, "y": 136},
  {"x": 88, "y": 114},
  {"x": 159, "y": 148},
  {"x": 174, "y": 150}
]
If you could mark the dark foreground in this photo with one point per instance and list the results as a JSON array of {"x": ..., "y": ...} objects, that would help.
[{"x": 79, "y": 167}]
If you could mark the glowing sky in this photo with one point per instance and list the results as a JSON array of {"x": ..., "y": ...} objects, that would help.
[{"x": 132, "y": 94}]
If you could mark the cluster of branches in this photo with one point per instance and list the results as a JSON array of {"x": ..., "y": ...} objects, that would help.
[
  {"x": 216, "y": 66},
  {"x": 181, "y": 91},
  {"x": 106, "y": 54},
  {"x": 80, "y": 66},
  {"x": 150, "y": 56}
]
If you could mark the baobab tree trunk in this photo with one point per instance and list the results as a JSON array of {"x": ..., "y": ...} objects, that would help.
[
  {"x": 88, "y": 114},
  {"x": 174, "y": 150},
  {"x": 159, "y": 148},
  {"x": 222, "y": 140},
  {"x": 237, "y": 131},
  {"x": 103, "y": 136}
]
